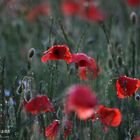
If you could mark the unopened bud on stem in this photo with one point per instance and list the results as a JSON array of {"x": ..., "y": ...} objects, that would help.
[{"x": 133, "y": 18}]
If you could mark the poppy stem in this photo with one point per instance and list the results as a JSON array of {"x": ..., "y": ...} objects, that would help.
[
  {"x": 69, "y": 41},
  {"x": 81, "y": 38},
  {"x": 102, "y": 25},
  {"x": 2, "y": 102},
  {"x": 50, "y": 32},
  {"x": 133, "y": 56}
]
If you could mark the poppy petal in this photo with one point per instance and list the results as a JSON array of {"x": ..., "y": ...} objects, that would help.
[
  {"x": 109, "y": 116},
  {"x": 39, "y": 104},
  {"x": 126, "y": 86},
  {"x": 52, "y": 130}
]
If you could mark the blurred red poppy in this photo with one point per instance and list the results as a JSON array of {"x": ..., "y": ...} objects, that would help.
[
  {"x": 52, "y": 130},
  {"x": 109, "y": 116},
  {"x": 92, "y": 13},
  {"x": 57, "y": 52},
  {"x": 82, "y": 8},
  {"x": 37, "y": 11},
  {"x": 70, "y": 8},
  {"x": 39, "y": 104},
  {"x": 133, "y": 3},
  {"x": 126, "y": 86},
  {"x": 82, "y": 60},
  {"x": 67, "y": 128},
  {"x": 136, "y": 138},
  {"x": 81, "y": 100}
]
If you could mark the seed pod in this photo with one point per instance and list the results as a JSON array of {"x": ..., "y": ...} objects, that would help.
[
  {"x": 31, "y": 53},
  {"x": 133, "y": 18}
]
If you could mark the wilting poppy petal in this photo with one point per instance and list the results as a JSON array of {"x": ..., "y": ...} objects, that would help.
[
  {"x": 133, "y": 3},
  {"x": 126, "y": 86},
  {"x": 39, "y": 104},
  {"x": 57, "y": 52},
  {"x": 136, "y": 138},
  {"x": 81, "y": 100},
  {"x": 109, "y": 116},
  {"x": 83, "y": 73},
  {"x": 67, "y": 128},
  {"x": 82, "y": 60},
  {"x": 39, "y": 10},
  {"x": 70, "y": 8},
  {"x": 52, "y": 130}
]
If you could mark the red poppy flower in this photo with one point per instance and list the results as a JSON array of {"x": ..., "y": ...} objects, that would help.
[
  {"x": 37, "y": 11},
  {"x": 126, "y": 86},
  {"x": 136, "y": 138},
  {"x": 133, "y": 3},
  {"x": 57, "y": 52},
  {"x": 82, "y": 60},
  {"x": 109, "y": 116},
  {"x": 52, "y": 130},
  {"x": 39, "y": 104},
  {"x": 67, "y": 128},
  {"x": 70, "y": 8},
  {"x": 81, "y": 100}
]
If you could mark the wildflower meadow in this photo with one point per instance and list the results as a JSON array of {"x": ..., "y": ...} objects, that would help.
[{"x": 69, "y": 70}]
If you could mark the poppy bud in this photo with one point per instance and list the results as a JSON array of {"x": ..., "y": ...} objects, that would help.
[
  {"x": 120, "y": 50},
  {"x": 31, "y": 53},
  {"x": 20, "y": 88},
  {"x": 110, "y": 64},
  {"x": 137, "y": 97},
  {"x": 119, "y": 61},
  {"x": 133, "y": 18}
]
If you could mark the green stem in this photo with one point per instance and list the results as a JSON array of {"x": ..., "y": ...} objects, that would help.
[
  {"x": 133, "y": 57},
  {"x": 2, "y": 102}
]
